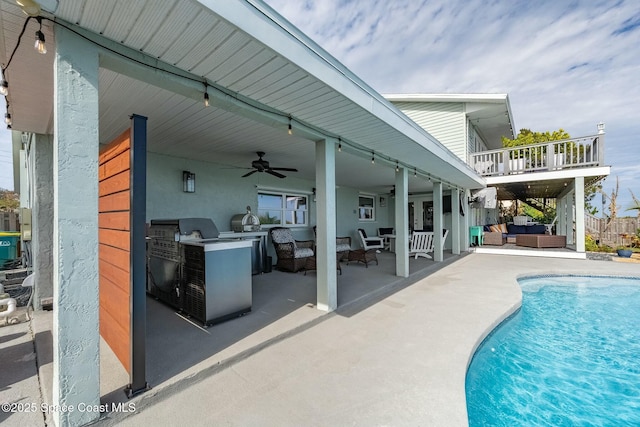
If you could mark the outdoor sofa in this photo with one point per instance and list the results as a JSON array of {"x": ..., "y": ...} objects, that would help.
[{"x": 499, "y": 234}]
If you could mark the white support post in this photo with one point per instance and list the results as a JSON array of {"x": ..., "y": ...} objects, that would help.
[
  {"x": 580, "y": 233},
  {"x": 326, "y": 262},
  {"x": 455, "y": 221},
  {"x": 402, "y": 223},
  {"x": 76, "y": 335},
  {"x": 42, "y": 220},
  {"x": 438, "y": 222}
]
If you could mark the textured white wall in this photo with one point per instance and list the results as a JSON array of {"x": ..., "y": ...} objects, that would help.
[{"x": 76, "y": 336}]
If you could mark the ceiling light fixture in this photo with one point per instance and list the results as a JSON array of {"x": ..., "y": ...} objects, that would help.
[{"x": 39, "y": 46}]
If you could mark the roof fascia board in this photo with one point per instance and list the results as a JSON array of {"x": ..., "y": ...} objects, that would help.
[
  {"x": 491, "y": 98},
  {"x": 544, "y": 176}
]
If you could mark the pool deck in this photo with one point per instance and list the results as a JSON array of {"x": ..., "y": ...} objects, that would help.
[{"x": 398, "y": 358}]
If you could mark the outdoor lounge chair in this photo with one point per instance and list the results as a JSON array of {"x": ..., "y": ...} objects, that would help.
[
  {"x": 292, "y": 254},
  {"x": 343, "y": 245},
  {"x": 369, "y": 243},
  {"x": 421, "y": 244}
]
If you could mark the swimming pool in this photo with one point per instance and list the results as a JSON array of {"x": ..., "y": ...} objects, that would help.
[{"x": 569, "y": 357}]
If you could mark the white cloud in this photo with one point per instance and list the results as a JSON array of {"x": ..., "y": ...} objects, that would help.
[{"x": 564, "y": 64}]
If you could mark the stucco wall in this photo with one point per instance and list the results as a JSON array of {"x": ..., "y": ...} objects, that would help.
[{"x": 222, "y": 193}]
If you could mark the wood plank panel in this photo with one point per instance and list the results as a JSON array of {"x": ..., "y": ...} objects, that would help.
[
  {"x": 115, "y": 256},
  {"x": 115, "y": 147},
  {"x": 114, "y": 166},
  {"x": 115, "y": 184},
  {"x": 115, "y": 300},
  {"x": 115, "y": 275},
  {"x": 115, "y": 202},
  {"x": 114, "y": 220},
  {"x": 117, "y": 338},
  {"x": 116, "y": 238}
]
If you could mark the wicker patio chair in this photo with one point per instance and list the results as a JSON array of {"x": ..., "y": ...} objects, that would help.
[{"x": 292, "y": 254}]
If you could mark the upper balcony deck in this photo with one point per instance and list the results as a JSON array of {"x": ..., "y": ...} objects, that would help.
[{"x": 584, "y": 152}]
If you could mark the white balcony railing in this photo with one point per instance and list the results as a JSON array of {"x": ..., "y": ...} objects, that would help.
[{"x": 587, "y": 151}]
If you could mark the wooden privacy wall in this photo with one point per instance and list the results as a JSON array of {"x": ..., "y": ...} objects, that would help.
[{"x": 114, "y": 221}]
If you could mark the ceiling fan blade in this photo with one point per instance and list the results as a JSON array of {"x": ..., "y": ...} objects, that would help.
[
  {"x": 272, "y": 172},
  {"x": 249, "y": 173},
  {"x": 285, "y": 169}
]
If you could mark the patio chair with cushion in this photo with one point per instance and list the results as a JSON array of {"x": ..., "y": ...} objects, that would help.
[
  {"x": 292, "y": 254},
  {"x": 343, "y": 245},
  {"x": 369, "y": 243}
]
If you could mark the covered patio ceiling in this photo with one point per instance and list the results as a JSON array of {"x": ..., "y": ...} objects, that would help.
[
  {"x": 528, "y": 186},
  {"x": 251, "y": 53}
]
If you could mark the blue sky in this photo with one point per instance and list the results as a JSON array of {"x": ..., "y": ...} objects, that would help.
[{"x": 564, "y": 64}]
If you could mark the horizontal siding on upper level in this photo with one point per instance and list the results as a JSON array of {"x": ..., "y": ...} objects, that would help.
[{"x": 444, "y": 121}]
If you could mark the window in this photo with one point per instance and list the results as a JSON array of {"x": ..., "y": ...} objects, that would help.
[
  {"x": 283, "y": 209},
  {"x": 366, "y": 208}
]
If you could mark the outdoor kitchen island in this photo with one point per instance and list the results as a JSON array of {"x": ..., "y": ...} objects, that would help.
[
  {"x": 217, "y": 279},
  {"x": 201, "y": 275}
]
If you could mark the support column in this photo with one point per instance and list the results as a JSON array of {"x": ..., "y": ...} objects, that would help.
[
  {"x": 42, "y": 220},
  {"x": 402, "y": 223},
  {"x": 76, "y": 336},
  {"x": 580, "y": 235},
  {"x": 327, "y": 280},
  {"x": 455, "y": 221},
  {"x": 438, "y": 222}
]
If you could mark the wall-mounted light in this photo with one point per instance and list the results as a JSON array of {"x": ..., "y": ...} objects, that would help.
[{"x": 188, "y": 182}]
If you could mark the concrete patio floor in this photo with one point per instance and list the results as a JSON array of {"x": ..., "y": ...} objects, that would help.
[{"x": 394, "y": 353}]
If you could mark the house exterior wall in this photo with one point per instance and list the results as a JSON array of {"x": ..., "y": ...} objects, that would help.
[
  {"x": 445, "y": 121},
  {"x": 222, "y": 193}
]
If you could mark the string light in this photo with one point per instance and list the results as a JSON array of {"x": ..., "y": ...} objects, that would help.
[
  {"x": 206, "y": 94},
  {"x": 39, "y": 46},
  {"x": 7, "y": 119},
  {"x": 4, "y": 87}
]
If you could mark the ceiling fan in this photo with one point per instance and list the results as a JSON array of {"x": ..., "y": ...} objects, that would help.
[{"x": 263, "y": 166}]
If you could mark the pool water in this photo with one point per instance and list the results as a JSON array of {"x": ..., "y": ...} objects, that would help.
[{"x": 569, "y": 357}]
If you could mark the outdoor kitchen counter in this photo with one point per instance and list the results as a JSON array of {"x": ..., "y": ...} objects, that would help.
[
  {"x": 219, "y": 244},
  {"x": 217, "y": 279}
]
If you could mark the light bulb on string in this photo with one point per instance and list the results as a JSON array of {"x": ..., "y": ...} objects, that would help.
[
  {"x": 39, "y": 45},
  {"x": 4, "y": 87}
]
